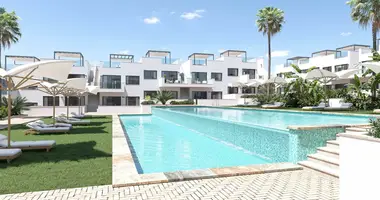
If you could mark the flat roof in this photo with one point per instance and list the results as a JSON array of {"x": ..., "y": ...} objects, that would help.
[
  {"x": 121, "y": 57},
  {"x": 201, "y": 55},
  {"x": 22, "y": 58},
  {"x": 157, "y": 53},
  {"x": 68, "y": 54},
  {"x": 298, "y": 58},
  {"x": 324, "y": 52},
  {"x": 352, "y": 47},
  {"x": 232, "y": 53}
]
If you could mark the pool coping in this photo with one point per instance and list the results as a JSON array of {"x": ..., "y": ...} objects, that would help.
[{"x": 125, "y": 173}]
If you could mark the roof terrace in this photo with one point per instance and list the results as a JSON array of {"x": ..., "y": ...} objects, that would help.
[
  {"x": 68, "y": 55},
  {"x": 200, "y": 58},
  {"x": 165, "y": 55},
  {"x": 324, "y": 53},
  {"x": 18, "y": 60}
]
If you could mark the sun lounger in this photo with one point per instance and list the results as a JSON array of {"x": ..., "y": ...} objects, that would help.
[
  {"x": 321, "y": 106},
  {"x": 272, "y": 106},
  {"x": 9, "y": 154},
  {"x": 47, "y": 129},
  {"x": 26, "y": 145},
  {"x": 44, "y": 125},
  {"x": 73, "y": 121},
  {"x": 249, "y": 104},
  {"x": 75, "y": 115},
  {"x": 343, "y": 106}
]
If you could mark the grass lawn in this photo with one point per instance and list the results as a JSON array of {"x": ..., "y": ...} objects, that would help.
[
  {"x": 367, "y": 112},
  {"x": 82, "y": 157}
]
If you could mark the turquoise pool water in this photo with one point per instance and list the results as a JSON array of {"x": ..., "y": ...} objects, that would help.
[
  {"x": 185, "y": 138},
  {"x": 270, "y": 118}
]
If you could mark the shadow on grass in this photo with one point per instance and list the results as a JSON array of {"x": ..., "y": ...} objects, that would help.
[
  {"x": 80, "y": 130},
  {"x": 61, "y": 152},
  {"x": 94, "y": 117}
]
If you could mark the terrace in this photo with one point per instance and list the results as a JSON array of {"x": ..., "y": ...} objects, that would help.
[
  {"x": 116, "y": 59},
  {"x": 68, "y": 55},
  {"x": 16, "y": 60},
  {"x": 201, "y": 58},
  {"x": 297, "y": 60}
]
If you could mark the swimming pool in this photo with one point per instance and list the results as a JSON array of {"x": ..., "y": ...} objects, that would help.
[{"x": 186, "y": 138}]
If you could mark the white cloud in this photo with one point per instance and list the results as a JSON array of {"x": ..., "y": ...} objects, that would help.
[
  {"x": 279, "y": 53},
  {"x": 345, "y": 34},
  {"x": 193, "y": 15},
  {"x": 124, "y": 52},
  {"x": 172, "y": 13},
  {"x": 152, "y": 20}
]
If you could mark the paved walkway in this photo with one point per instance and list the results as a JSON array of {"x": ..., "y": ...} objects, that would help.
[
  {"x": 293, "y": 185},
  {"x": 17, "y": 120}
]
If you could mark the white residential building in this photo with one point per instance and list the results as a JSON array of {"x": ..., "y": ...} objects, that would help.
[
  {"x": 335, "y": 61},
  {"x": 123, "y": 81}
]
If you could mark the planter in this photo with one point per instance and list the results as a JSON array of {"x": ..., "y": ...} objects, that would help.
[{"x": 359, "y": 166}]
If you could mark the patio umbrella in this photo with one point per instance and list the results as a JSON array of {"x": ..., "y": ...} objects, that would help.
[
  {"x": 323, "y": 76},
  {"x": 55, "y": 89},
  {"x": 276, "y": 81},
  {"x": 253, "y": 83},
  {"x": 31, "y": 75},
  {"x": 374, "y": 66}
]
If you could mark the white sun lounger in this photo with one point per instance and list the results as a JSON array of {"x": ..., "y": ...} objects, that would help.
[
  {"x": 75, "y": 115},
  {"x": 271, "y": 106},
  {"x": 72, "y": 121},
  {"x": 9, "y": 154},
  {"x": 321, "y": 106},
  {"x": 48, "y": 129},
  {"x": 26, "y": 145},
  {"x": 44, "y": 125}
]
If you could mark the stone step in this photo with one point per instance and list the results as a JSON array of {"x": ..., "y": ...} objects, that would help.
[
  {"x": 324, "y": 160},
  {"x": 320, "y": 167},
  {"x": 334, "y": 144},
  {"x": 328, "y": 151}
]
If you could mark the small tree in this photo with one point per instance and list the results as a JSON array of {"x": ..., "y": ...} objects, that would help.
[{"x": 163, "y": 96}]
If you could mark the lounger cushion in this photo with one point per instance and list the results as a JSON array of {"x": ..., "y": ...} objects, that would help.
[
  {"x": 25, "y": 144},
  {"x": 9, "y": 152},
  {"x": 3, "y": 137}
]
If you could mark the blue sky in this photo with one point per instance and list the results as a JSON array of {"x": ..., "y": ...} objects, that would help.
[{"x": 97, "y": 28}]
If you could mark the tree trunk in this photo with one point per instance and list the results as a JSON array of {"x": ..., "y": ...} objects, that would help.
[
  {"x": 374, "y": 37},
  {"x": 1, "y": 83},
  {"x": 269, "y": 61}
]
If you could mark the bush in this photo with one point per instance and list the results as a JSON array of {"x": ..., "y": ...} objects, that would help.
[
  {"x": 375, "y": 130},
  {"x": 3, "y": 112},
  {"x": 148, "y": 102},
  {"x": 185, "y": 102},
  {"x": 248, "y": 96},
  {"x": 18, "y": 105}
]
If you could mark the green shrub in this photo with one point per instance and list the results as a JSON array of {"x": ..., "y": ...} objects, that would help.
[
  {"x": 148, "y": 102},
  {"x": 185, "y": 102},
  {"x": 375, "y": 130},
  {"x": 3, "y": 112},
  {"x": 18, "y": 105}
]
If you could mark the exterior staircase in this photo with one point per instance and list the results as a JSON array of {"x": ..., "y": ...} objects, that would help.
[{"x": 326, "y": 160}]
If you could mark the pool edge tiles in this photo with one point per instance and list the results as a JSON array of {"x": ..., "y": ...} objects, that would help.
[{"x": 124, "y": 171}]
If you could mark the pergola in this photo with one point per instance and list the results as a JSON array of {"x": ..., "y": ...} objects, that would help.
[
  {"x": 353, "y": 47},
  {"x": 160, "y": 54},
  {"x": 296, "y": 58},
  {"x": 121, "y": 58},
  {"x": 62, "y": 55},
  {"x": 200, "y": 56},
  {"x": 17, "y": 58},
  {"x": 324, "y": 53},
  {"x": 236, "y": 53}
]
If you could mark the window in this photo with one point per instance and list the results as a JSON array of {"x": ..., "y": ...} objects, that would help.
[
  {"x": 250, "y": 72},
  {"x": 111, "y": 101},
  {"x": 339, "y": 68},
  {"x": 216, "y": 76},
  {"x": 248, "y": 90},
  {"x": 279, "y": 75},
  {"x": 327, "y": 68},
  {"x": 261, "y": 77},
  {"x": 216, "y": 95},
  {"x": 133, "y": 101},
  {"x": 74, "y": 101},
  {"x": 49, "y": 80},
  {"x": 132, "y": 80},
  {"x": 199, "y": 95},
  {"x": 233, "y": 90},
  {"x": 48, "y": 101},
  {"x": 198, "y": 77},
  {"x": 150, "y": 74},
  {"x": 76, "y": 76},
  {"x": 110, "y": 82},
  {"x": 233, "y": 72},
  {"x": 169, "y": 76},
  {"x": 151, "y": 94}
]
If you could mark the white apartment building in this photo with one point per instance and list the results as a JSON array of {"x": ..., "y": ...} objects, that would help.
[
  {"x": 335, "y": 61},
  {"x": 123, "y": 81}
]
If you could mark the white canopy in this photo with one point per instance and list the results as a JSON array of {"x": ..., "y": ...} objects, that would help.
[
  {"x": 253, "y": 83},
  {"x": 347, "y": 73},
  {"x": 276, "y": 80},
  {"x": 317, "y": 74},
  {"x": 374, "y": 66}
]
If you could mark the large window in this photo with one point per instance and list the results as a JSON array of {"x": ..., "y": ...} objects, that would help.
[
  {"x": 233, "y": 90},
  {"x": 150, "y": 74},
  {"x": 251, "y": 73},
  {"x": 132, "y": 101},
  {"x": 151, "y": 94},
  {"x": 76, "y": 76},
  {"x": 327, "y": 68},
  {"x": 132, "y": 80},
  {"x": 111, "y": 101},
  {"x": 216, "y": 95},
  {"x": 199, "y": 95},
  {"x": 216, "y": 76},
  {"x": 233, "y": 72},
  {"x": 74, "y": 101},
  {"x": 199, "y": 77},
  {"x": 48, "y": 101},
  {"x": 339, "y": 68},
  {"x": 110, "y": 82},
  {"x": 169, "y": 76},
  {"x": 248, "y": 90}
]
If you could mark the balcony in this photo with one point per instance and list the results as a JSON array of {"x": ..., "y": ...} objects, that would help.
[
  {"x": 115, "y": 86},
  {"x": 187, "y": 83}
]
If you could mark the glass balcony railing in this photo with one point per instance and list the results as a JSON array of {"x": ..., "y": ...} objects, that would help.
[
  {"x": 78, "y": 64},
  {"x": 250, "y": 59},
  {"x": 303, "y": 61},
  {"x": 110, "y": 85},
  {"x": 198, "y": 62},
  {"x": 341, "y": 54}
]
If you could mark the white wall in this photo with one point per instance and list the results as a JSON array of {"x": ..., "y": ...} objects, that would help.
[
  {"x": 359, "y": 169},
  {"x": 217, "y": 102},
  {"x": 143, "y": 109},
  {"x": 48, "y": 110}
]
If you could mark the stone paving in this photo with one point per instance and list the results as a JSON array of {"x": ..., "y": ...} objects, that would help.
[{"x": 292, "y": 185}]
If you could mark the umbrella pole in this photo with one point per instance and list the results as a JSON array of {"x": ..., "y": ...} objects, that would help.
[
  {"x": 9, "y": 112},
  {"x": 53, "y": 107},
  {"x": 78, "y": 105},
  {"x": 67, "y": 107}
]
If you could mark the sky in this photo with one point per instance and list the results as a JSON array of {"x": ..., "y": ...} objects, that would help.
[{"x": 100, "y": 27}]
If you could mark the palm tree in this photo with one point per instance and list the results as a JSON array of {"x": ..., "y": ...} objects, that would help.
[
  {"x": 367, "y": 13},
  {"x": 269, "y": 22},
  {"x": 163, "y": 96}
]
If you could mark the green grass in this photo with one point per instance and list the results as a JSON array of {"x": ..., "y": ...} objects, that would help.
[
  {"x": 367, "y": 112},
  {"x": 82, "y": 157}
]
